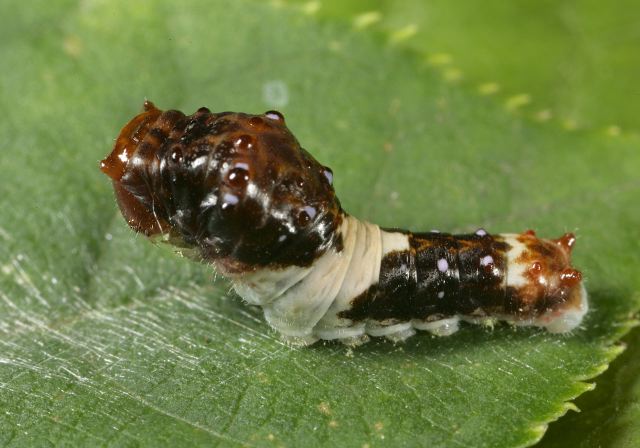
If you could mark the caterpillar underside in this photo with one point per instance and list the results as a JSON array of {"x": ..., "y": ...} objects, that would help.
[{"x": 237, "y": 191}]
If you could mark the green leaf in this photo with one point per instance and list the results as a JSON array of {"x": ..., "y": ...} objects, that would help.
[
  {"x": 610, "y": 414},
  {"x": 108, "y": 339},
  {"x": 572, "y": 62}
]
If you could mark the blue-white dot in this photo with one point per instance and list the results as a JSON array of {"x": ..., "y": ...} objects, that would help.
[
  {"x": 228, "y": 200},
  {"x": 486, "y": 260}
]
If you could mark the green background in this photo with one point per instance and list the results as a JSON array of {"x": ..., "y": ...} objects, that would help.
[{"x": 432, "y": 115}]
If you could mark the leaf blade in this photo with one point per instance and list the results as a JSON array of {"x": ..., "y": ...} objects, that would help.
[{"x": 132, "y": 345}]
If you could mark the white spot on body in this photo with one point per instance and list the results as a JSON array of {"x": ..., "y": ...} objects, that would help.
[
  {"x": 486, "y": 260},
  {"x": 200, "y": 161},
  {"x": 443, "y": 265},
  {"x": 252, "y": 191},
  {"x": 328, "y": 174},
  {"x": 229, "y": 199},
  {"x": 209, "y": 200},
  {"x": 481, "y": 232},
  {"x": 310, "y": 211},
  {"x": 272, "y": 116},
  {"x": 440, "y": 294},
  {"x": 275, "y": 93},
  {"x": 242, "y": 165}
]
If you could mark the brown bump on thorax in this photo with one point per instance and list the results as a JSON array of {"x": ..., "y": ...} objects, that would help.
[{"x": 238, "y": 187}]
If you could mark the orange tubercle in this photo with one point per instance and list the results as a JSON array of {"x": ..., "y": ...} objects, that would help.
[
  {"x": 536, "y": 267},
  {"x": 570, "y": 277},
  {"x": 566, "y": 241}
]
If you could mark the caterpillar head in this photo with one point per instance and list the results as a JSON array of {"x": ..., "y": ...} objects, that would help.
[{"x": 236, "y": 187}]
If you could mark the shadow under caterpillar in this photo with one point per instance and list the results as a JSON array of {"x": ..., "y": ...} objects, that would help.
[{"x": 239, "y": 192}]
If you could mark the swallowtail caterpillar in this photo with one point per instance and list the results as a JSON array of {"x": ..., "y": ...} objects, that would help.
[{"x": 238, "y": 192}]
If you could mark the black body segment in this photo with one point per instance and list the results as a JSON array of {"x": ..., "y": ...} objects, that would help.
[{"x": 440, "y": 275}]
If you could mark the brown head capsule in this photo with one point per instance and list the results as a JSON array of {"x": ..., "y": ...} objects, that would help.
[{"x": 219, "y": 182}]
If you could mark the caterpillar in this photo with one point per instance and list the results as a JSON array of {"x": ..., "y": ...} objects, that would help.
[{"x": 237, "y": 191}]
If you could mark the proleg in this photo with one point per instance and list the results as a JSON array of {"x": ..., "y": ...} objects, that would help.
[{"x": 238, "y": 192}]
